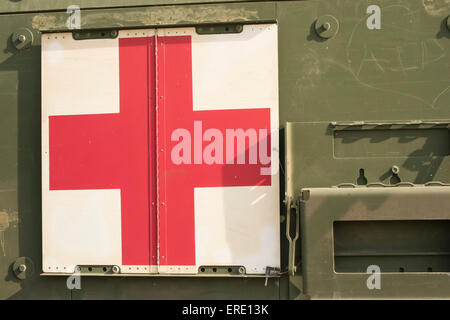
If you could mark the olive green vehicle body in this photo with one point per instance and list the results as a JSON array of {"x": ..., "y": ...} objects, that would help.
[{"x": 362, "y": 99}]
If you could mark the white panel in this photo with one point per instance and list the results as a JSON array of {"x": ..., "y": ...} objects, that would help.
[
  {"x": 78, "y": 226},
  {"x": 237, "y": 226},
  {"x": 79, "y": 77},
  {"x": 234, "y": 225},
  {"x": 234, "y": 71},
  {"x": 81, "y": 227}
]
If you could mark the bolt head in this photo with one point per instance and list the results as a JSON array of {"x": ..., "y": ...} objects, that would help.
[
  {"x": 22, "y": 38},
  {"x": 22, "y": 268},
  {"x": 326, "y": 26}
]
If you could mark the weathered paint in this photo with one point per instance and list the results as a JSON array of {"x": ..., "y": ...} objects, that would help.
[
  {"x": 399, "y": 72},
  {"x": 155, "y": 16},
  {"x": 61, "y": 5}
]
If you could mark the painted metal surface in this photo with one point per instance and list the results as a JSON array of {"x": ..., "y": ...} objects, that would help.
[
  {"x": 218, "y": 198},
  {"x": 396, "y": 73},
  {"x": 98, "y": 169},
  {"x": 37, "y": 5},
  {"x": 410, "y": 256},
  {"x": 209, "y": 91}
]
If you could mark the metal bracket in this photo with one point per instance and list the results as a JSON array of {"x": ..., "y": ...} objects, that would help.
[
  {"x": 271, "y": 271},
  {"x": 290, "y": 204},
  {"x": 222, "y": 270},
  {"x": 397, "y": 185},
  {"x": 95, "y": 34},
  {"x": 98, "y": 269},
  {"x": 369, "y": 125},
  {"x": 219, "y": 29}
]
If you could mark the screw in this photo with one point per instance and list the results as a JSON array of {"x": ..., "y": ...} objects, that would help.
[
  {"x": 113, "y": 33},
  {"x": 22, "y": 38},
  {"x": 241, "y": 270},
  {"x": 115, "y": 269},
  {"x": 22, "y": 268},
  {"x": 326, "y": 26}
]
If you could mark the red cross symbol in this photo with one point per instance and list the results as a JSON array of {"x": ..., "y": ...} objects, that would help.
[
  {"x": 119, "y": 151},
  {"x": 177, "y": 182},
  {"x": 111, "y": 151}
]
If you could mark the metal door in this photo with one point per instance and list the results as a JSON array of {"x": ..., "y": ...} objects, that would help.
[{"x": 160, "y": 151}]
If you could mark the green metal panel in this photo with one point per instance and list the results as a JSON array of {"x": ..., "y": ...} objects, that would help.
[
  {"x": 176, "y": 288},
  {"x": 393, "y": 245},
  {"x": 322, "y": 207},
  {"x": 318, "y": 148},
  {"x": 393, "y": 76},
  {"x": 133, "y": 17},
  {"x": 20, "y": 167},
  {"x": 53, "y": 5},
  {"x": 398, "y": 73}
]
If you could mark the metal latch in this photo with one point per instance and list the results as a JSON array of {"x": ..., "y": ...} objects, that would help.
[
  {"x": 291, "y": 204},
  {"x": 271, "y": 271}
]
